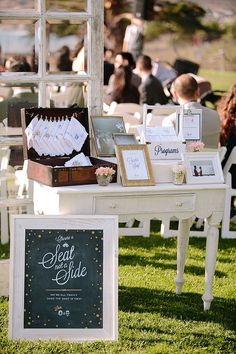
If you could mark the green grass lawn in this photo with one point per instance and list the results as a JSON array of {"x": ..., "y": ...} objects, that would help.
[
  {"x": 220, "y": 80},
  {"x": 152, "y": 318}
]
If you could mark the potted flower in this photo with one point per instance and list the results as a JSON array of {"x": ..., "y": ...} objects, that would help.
[
  {"x": 104, "y": 175},
  {"x": 178, "y": 173},
  {"x": 195, "y": 146}
]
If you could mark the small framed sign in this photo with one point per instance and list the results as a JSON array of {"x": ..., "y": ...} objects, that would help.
[
  {"x": 103, "y": 128},
  {"x": 203, "y": 167},
  {"x": 135, "y": 165},
  {"x": 189, "y": 124},
  {"x": 63, "y": 278}
]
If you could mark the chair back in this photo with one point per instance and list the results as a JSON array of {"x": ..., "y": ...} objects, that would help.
[{"x": 231, "y": 161}]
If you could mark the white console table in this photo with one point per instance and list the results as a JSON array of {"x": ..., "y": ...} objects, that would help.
[{"x": 162, "y": 201}]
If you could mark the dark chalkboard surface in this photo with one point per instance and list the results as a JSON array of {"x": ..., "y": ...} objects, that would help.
[{"x": 63, "y": 278}]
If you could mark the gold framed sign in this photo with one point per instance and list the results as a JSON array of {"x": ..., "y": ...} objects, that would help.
[{"x": 135, "y": 165}]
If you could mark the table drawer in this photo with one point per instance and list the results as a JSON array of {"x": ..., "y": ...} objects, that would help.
[{"x": 130, "y": 204}]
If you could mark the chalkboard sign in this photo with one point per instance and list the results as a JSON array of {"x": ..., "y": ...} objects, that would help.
[{"x": 65, "y": 273}]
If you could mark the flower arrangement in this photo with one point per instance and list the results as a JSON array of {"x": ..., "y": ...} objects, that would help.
[
  {"x": 196, "y": 146},
  {"x": 105, "y": 171},
  {"x": 104, "y": 175}
]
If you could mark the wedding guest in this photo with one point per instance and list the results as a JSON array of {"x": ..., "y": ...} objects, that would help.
[
  {"x": 124, "y": 59},
  {"x": 133, "y": 39},
  {"x": 108, "y": 68},
  {"x": 186, "y": 93},
  {"x": 123, "y": 91},
  {"x": 227, "y": 111},
  {"x": 64, "y": 61},
  {"x": 151, "y": 90}
]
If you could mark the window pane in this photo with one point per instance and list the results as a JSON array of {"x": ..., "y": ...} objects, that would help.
[
  {"x": 66, "y": 47},
  {"x": 17, "y": 46},
  {"x": 13, "y": 97},
  {"x": 67, "y": 94},
  {"x": 67, "y": 6},
  {"x": 25, "y": 5}
]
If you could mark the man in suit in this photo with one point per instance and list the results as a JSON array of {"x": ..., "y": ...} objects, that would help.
[
  {"x": 186, "y": 92},
  {"x": 151, "y": 90}
]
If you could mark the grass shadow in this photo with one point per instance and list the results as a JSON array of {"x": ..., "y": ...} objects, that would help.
[
  {"x": 187, "y": 306},
  {"x": 157, "y": 262}
]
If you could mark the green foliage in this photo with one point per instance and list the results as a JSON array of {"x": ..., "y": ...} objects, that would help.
[
  {"x": 152, "y": 318},
  {"x": 182, "y": 18},
  {"x": 184, "y": 15},
  {"x": 220, "y": 80},
  {"x": 185, "y": 18},
  {"x": 214, "y": 31},
  {"x": 230, "y": 30}
]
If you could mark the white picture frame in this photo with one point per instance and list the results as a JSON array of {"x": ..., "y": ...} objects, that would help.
[
  {"x": 203, "y": 167},
  {"x": 189, "y": 124},
  {"x": 68, "y": 293}
]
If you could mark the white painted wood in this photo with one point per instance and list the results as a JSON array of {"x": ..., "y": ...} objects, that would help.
[
  {"x": 94, "y": 17},
  {"x": 162, "y": 201},
  {"x": 4, "y": 277},
  {"x": 230, "y": 193},
  {"x": 109, "y": 225}
]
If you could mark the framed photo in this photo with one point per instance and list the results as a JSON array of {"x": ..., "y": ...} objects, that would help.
[
  {"x": 190, "y": 124},
  {"x": 103, "y": 129},
  {"x": 135, "y": 165},
  {"x": 203, "y": 167},
  {"x": 124, "y": 139},
  {"x": 63, "y": 278}
]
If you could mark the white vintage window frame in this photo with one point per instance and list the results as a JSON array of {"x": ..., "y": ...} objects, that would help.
[
  {"x": 109, "y": 225},
  {"x": 190, "y": 157},
  {"x": 94, "y": 17}
]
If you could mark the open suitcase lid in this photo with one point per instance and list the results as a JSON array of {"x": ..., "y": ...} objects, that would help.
[{"x": 27, "y": 114}]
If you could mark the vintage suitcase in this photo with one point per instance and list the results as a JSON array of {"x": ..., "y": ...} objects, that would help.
[{"x": 44, "y": 169}]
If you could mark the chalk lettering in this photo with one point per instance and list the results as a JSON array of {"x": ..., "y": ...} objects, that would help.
[
  {"x": 63, "y": 276},
  {"x": 50, "y": 259}
]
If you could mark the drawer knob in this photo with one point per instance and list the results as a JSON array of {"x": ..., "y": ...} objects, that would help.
[
  {"x": 179, "y": 204},
  {"x": 113, "y": 206}
]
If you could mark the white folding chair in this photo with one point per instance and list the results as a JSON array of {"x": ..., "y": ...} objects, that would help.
[
  {"x": 131, "y": 113},
  {"x": 13, "y": 198},
  {"x": 156, "y": 116},
  {"x": 226, "y": 231}
]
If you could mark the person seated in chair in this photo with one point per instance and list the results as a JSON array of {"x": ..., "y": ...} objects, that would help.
[
  {"x": 186, "y": 93},
  {"x": 151, "y": 89}
]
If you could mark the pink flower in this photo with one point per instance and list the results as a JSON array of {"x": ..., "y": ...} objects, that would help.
[
  {"x": 105, "y": 171},
  {"x": 195, "y": 146}
]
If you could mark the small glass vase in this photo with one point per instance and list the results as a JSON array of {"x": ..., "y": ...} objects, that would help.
[
  {"x": 103, "y": 180},
  {"x": 178, "y": 177}
]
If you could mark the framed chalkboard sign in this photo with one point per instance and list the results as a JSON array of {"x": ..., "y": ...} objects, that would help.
[{"x": 63, "y": 278}]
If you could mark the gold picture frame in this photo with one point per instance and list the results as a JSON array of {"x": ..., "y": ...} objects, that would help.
[
  {"x": 124, "y": 139},
  {"x": 135, "y": 165}
]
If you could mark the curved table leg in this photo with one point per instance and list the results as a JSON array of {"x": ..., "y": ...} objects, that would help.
[
  {"x": 211, "y": 254},
  {"x": 182, "y": 246}
]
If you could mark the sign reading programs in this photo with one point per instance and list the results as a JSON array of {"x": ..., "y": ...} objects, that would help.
[
  {"x": 169, "y": 150},
  {"x": 63, "y": 279}
]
